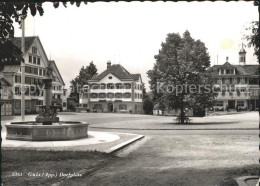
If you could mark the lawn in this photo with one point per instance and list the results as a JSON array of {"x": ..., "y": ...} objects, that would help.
[{"x": 27, "y": 167}]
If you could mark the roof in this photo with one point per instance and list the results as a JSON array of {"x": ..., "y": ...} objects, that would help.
[
  {"x": 242, "y": 50},
  {"x": 53, "y": 64},
  {"x": 11, "y": 68},
  {"x": 227, "y": 65},
  {"x": 119, "y": 71},
  {"x": 28, "y": 42},
  {"x": 241, "y": 69},
  {"x": 2, "y": 78},
  {"x": 136, "y": 76}
]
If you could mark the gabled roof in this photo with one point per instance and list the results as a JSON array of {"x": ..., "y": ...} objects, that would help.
[
  {"x": 241, "y": 69},
  {"x": 53, "y": 64},
  {"x": 28, "y": 42},
  {"x": 2, "y": 78},
  {"x": 117, "y": 70},
  {"x": 227, "y": 65}
]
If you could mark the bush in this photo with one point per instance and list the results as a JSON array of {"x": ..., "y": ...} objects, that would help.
[{"x": 148, "y": 106}]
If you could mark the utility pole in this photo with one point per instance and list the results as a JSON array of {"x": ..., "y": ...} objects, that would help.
[{"x": 23, "y": 74}]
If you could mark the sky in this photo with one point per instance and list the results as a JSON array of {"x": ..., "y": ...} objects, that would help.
[{"x": 131, "y": 33}]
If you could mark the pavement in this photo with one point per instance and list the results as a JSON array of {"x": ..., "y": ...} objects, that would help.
[
  {"x": 248, "y": 181},
  {"x": 108, "y": 142},
  {"x": 202, "y": 153}
]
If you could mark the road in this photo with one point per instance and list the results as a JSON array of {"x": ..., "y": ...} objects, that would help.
[{"x": 174, "y": 156}]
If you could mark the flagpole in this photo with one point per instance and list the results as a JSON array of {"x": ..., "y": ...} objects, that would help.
[{"x": 23, "y": 74}]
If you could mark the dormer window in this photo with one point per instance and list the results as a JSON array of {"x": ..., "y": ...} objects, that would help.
[
  {"x": 229, "y": 71},
  {"x": 34, "y": 50}
]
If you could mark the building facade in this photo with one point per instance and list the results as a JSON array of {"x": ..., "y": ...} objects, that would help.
[
  {"x": 114, "y": 90},
  {"x": 59, "y": 99},
  {"x": 36, "y": 63},
  {"x": 238, "y": 85}
]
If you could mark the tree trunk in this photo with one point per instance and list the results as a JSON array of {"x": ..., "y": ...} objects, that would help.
[{"x": 182, "y": 115}]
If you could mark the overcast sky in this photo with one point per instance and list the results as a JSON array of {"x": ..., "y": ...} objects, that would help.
[{"x": 132, "y": 33}]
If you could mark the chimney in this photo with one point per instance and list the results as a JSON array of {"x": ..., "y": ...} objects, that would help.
[
  {"x": 108, "y": 64},
  {"x": 227, "y": 59}
]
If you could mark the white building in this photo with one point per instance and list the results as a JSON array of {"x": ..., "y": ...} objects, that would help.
[
  {"x": 114, "y": 90},
  {"x": 36, "y": 62}
]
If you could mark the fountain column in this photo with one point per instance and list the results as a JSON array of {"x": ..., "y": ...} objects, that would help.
[{"x": 48, "y": 93}]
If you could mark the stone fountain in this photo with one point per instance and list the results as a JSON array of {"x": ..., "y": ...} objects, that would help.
[{"x": 47, "y": 126}]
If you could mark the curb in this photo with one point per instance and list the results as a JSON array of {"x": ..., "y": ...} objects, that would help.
[
  {"x": 241, "y": 181},
  {"x": 124, "y": 144},
  {"x": 177, "y": 129}
]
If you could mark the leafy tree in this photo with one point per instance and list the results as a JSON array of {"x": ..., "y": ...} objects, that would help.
[
  {"x": 85, "y": 74},
  {"x": 180, "y": 77},
  {"x": 147, "y": 103},
  {"x": 253, "y": 37}
]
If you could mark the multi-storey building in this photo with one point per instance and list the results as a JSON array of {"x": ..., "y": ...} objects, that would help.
[
  {"x": 36, "y": 62},
  {"x": 6, "y": 97},
  {"x": 239, "y": 85},
  {"x": 114, "y": 90},
  {"x": 58, "y": 88}
]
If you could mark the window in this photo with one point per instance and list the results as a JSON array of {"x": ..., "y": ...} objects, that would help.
[
  {"x": 98, "y": 106},
  {"x": 127, "y": 95},
  {"x": 102, "y": 95},
  {"x": 229, "y": 71},
  {"x": 110, "y": 77},
  {"x": 17, "y": 79},
  {"x": 40, "y": 72},
  {"x": 30, "y": 59},
  {"x": 27, "y": 104},
  {"x": 64, "y": 104},
  {"x": 118, "y": 95},
  {"x": 141, "y": 96},
  {"x": 17, "y": 91},
  {"x": 240, "y": 103},
  {"x": 34, "y": 50},
  {"x": 64, "y": 92},
  {"x": 138, "y": 95},
  {"x": 27, "y": 91},
  {"x": 103, "y": 86},
  {"x": 135, "y": 95},
  {"x": 222, "y": 71},
  {"x": 122, "y": 107},
  {"x": 110, "y": 95},
  {"x": 219, "y": 103},
  {"x": 34, "y": 60},
  {"x": 127, "y": 86},
  {"x": 17, "y": 104},
  {"x": 32, "y": 70},
  {"x": 110, "y": 86},
  {"x": 27, "y": 69},
  {"x": 43, "y": 72},
  {"x": 36, "y": 71},
  {"x": 93, "y": 95},
  {"x": 58, "y": 96},
  {"x": 27, "y": 80},
  {"x": 38, "y": 61},
  {"x": 238, "y": 80}
]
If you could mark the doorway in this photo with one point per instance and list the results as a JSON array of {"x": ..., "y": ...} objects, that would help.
[
  {"x": 231, "y": 104},
  {"x": 110, "y": 107}
]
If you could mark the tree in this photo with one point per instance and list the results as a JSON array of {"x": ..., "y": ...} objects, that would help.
[
  {"x": 253, "y": 37},
  {"x": 180, "y": 77},
  {"x": 85, "y": 74},
  {"x": 147, "y": 103}
]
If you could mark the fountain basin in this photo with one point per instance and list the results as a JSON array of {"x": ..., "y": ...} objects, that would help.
[{"x": 33, "y": 131}]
